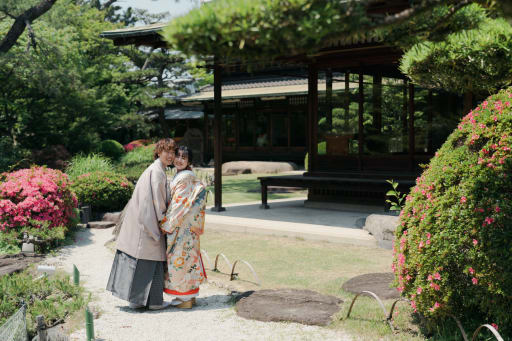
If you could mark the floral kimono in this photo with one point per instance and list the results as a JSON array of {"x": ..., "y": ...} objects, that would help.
[{"x": 183, "y": 224}]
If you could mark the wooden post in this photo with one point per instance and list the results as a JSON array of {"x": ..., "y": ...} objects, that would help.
[
  {"x": 312, "y": 117},
  {"x": 41, "y": 328},
  {"x": 412, "y": 145},
  {"x": 404, "y": 113},
  {"x": 205, "y": 134},
  {"x": 217, "y": 132},
  {"x": 347, "y": 100},
  {"x": 361, "y": 127},
  {"x": 328, "y": 98},
  {"x": 377, "y": 103}
]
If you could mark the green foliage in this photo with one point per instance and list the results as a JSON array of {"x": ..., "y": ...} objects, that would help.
[
  {"x": 453, "y": 245},
  {"x": 475, "y": 60},
  {"x": 6, "y": 247},
  {"x": 252, "y": 29},
  {"x": 133, "y": 163},
  {"x": 111, "y": 149},
  {"x": 81, "y": 164},
  {"x": 54, "y": 298},
  {"x": 11, "y": 156},
  {"x": 396, "y": 198},
  {"x": 105, "y": 191}
]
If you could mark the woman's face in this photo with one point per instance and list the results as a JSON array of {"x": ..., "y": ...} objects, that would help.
[{"x": 181, "y": 160}]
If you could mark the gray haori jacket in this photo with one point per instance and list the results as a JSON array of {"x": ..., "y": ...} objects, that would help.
[{"x": 140, "y": 235}]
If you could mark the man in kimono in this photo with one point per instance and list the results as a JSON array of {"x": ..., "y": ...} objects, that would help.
[{"x": 137, "y": 274}]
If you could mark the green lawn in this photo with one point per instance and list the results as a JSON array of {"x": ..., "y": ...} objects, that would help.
[
  {"x": 320, "y": 266},
  {"x": 246, "y": 187}
]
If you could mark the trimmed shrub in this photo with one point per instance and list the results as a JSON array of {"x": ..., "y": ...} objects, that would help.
[
  {"x": 111, "y": 149},
  {"x": 105, "y": 191},
  {"x": 37, "y": 198},
  {"x": 453, "y": 246},
  {"x": 81, "y": 164}
]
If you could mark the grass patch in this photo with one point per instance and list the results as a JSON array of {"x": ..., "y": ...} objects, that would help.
[
  {"x": 246, "y": 188},
  {"x": 282, "y": 262},
  {"x": 82, "y": 164},
  {"x": 53, "y": 297}
]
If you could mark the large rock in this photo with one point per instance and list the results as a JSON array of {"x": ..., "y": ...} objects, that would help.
[
  {"x": 382, "y": 227},
  {"x": 16, "y": 263},
  {"x": 112, "y": 217},
  {"x": 259, "y": 167},
  {"x": 378, "y": 283},
  {"x": 288, "y": 305}
]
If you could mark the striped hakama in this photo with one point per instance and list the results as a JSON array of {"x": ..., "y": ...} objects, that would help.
[{"x": 138, "y": 281}]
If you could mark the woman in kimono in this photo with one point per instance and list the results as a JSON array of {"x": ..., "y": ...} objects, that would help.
[{"x": 183, "y": 224}]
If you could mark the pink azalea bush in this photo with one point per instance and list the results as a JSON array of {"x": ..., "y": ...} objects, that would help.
[
  {"x": 453, "y": 249},
  {"x": 105, "y": 191},
  {"x": 38, "y": 197}
]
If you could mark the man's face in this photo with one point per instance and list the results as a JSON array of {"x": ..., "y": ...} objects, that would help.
[{"x": 167, "y": 157}]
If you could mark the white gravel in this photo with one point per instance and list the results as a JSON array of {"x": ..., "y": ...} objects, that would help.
[{"x": 213, "y": 319}]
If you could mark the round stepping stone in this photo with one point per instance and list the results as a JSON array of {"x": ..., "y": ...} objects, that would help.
[
  {"x": 378, "y": 283},
  {"x": 288, "y": 305}
]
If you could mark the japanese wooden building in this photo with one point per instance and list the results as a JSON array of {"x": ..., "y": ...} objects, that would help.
[{"x": 356, "y": 116}]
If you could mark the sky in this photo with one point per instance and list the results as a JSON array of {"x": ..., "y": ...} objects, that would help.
[{"x": 175, "y": 8}]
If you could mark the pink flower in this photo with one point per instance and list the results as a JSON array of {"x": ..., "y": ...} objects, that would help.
[
  {"x": 437, "y": 276},
  {"x": 429, "y": 277},
  {"x": 494, "y": 325},
  {"x": 471, "y": 270},
  {"x": 419, "y": 290},
  {"x": 488, "y": 220},
  {"x": 497, "y": 209},
  {"x": 463, "y": 200},
  {"x": 474, "y": 280},
  {"x": 475, "y": 242}
]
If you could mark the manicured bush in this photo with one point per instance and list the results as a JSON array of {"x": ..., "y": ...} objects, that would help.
[
  {"x": 453, "y": 250},
  {"x": 38, "y": 198},
  {"x": 105, "y": 191},
  {"x": 112, "y": 149},
  {"x": 81, "y": 164}
]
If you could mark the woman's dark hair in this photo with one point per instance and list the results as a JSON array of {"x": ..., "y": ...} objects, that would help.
[{"x": 185, "y": 151}]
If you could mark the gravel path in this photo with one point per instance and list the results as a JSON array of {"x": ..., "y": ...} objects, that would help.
[{"x": 213, "y": 319}]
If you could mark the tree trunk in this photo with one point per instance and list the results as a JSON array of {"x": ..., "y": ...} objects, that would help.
[
  {"x": 20, "y": 23},
  {"x": 468, "y": 102}
]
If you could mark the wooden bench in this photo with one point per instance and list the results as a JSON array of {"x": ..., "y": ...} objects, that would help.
[{"x": 374, "y": 183}]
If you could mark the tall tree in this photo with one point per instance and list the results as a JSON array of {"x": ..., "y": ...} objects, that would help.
[{"x": 22, "y": 19}]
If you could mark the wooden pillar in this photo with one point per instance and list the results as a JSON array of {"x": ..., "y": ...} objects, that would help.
[
  {"x": 412, "y": 145},
  {"x": 360, "y": 119},
  {"x": 347, "y": 101},
  {"x": 430, "y": 114},
  {"x": 468, "y": 102},
  {"x": 328, "y": 98},
  {"x": 217, "y": 132},
  {"x": 377, "y": 103},
  {"x": 404, "y": 113},
  {"x": 205, "y": 134},
  {"x": 312, "y": 117}
]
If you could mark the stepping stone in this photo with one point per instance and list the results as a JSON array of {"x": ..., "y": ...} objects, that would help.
[
  {"x": 16, "y": 263},
  {"x": 101, "y": 224},
  {"x": 112, "y": 217},
  {"x": 378, "y": 283},
  {"x": 288, "y": 305}
]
